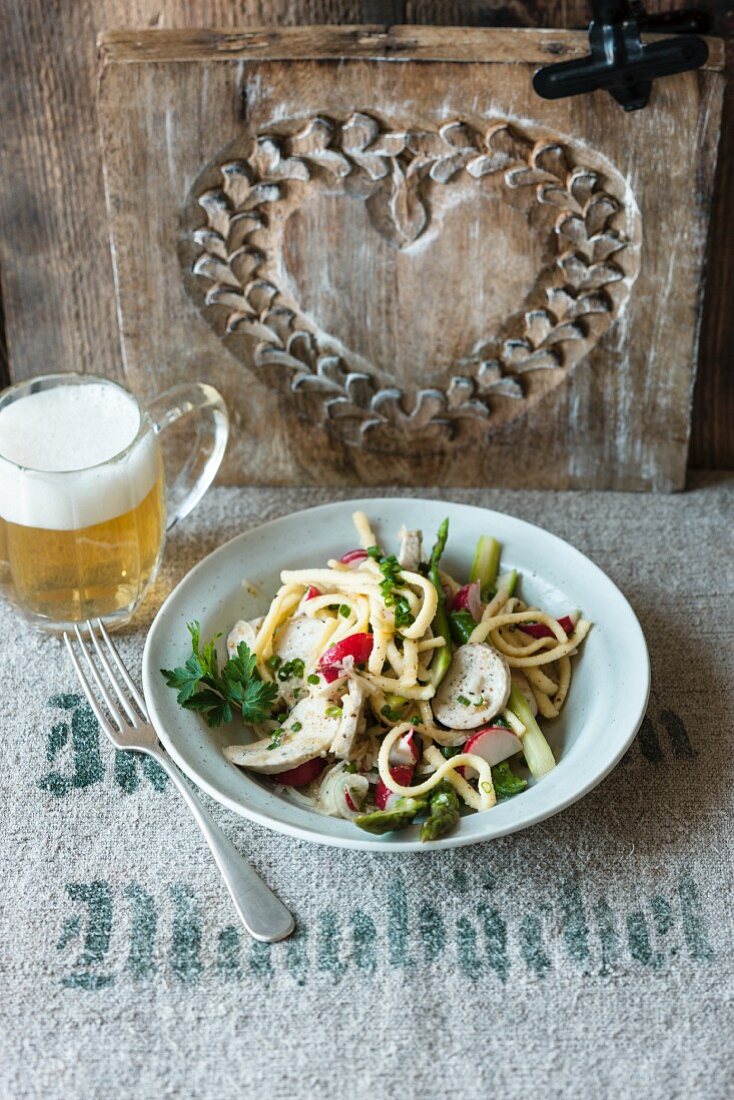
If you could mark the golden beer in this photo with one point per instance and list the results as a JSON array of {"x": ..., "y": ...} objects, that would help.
[
  {"x": 82, "y": 502},
  {"x": 84, "y": 507},
  {"x": 83, "y": 573}
]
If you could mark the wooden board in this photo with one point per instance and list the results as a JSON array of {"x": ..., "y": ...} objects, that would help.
[
  {"x": 399, "y": 264},
  {"x": 57, "y": 280},
  {"x": 61, "y": 313}
]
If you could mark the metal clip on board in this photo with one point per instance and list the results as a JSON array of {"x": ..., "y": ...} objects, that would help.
[{"x": 619, "y": 62}]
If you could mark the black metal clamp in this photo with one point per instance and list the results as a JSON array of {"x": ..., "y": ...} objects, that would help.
[{"x": 619, "y": 62}]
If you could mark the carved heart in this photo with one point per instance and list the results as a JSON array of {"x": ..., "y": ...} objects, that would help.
[{"x": 549, "y": 302}]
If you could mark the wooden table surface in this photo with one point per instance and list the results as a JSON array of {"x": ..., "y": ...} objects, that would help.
[{"x": 55, "y": 267}]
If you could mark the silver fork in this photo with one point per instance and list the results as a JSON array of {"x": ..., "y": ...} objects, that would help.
[{"x": 263, "y": 915}]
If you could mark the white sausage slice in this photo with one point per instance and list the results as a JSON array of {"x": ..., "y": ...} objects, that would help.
[
  {"x": 411, "y": 549},
  {"x": 242, "y": 631},
  {"x": 475, "y": 688},
  {"x": 298, "y": 637},
  {"x": 296, "y": 747},
  {"x": 352, "y": 721}
]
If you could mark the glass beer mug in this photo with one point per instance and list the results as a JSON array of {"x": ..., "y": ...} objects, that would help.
[{"x": 84, "y": 507}]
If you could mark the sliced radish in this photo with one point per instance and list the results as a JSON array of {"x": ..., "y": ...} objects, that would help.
[
  {"x": 405, "y": 751},
  {"x": 385, "y": 799},
  {"x": 312, "y": 592},
  {"x": 540, "y": 630},
  {"x": 494, "y": 744},
  {"x": 303, "y": 774},
  {"x": 469, "y": 599},
  {"x": 358, "y": 646},
  {"x": 353, "y": 557}
]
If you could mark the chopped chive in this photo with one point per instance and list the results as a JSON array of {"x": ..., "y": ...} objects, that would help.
[
  {"x": 294, "y": 668},
  {"x": 275, "y": 738},
  {"x": 463, "y": 700},
  {"x": 374, "y": 552},
  {"x": 313, "y": 679},
  {"x": 274, "y": 662},
  {"x": 389, "y": 713},
  {"x": 333, "y": 712},
  {"x": 345, "y": 610},
  {"x": 296, "y": 727}
]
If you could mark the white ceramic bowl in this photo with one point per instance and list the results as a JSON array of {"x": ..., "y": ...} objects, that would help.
[{"x": 606, "y": 704}]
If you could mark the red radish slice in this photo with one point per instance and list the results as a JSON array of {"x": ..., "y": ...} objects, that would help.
[
  {"x": 385, "y": 799},
  {"x": 349, "y": 800},
  {"x": 353, "y": 557},
  {"x": 312, "y": 592},
  {"x": 540, "y": 630},
  {"x": 493, "y": 743},
  {"x": 330, "y": 674},
  {"x": 405, "y": 751},
  {"x": 303, "y": 774},
  {"x": 469, "y": 599},
  {"x": 358, "y": 646}
]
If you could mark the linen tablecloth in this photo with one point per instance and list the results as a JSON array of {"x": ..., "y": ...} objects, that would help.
[{"x": 588, "y": 956}]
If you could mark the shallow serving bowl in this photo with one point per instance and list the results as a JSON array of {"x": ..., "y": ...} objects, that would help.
[{"x": 606, "y": 704}]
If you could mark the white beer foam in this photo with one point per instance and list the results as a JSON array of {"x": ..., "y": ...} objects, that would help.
[{"x": 53, "y": 448}]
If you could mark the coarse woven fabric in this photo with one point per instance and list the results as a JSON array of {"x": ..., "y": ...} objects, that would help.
[{"x": 586, "y": 957}]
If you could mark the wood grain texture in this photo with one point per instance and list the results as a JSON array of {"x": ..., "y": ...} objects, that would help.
[
  {"x": 54, "y": 241},
  {"x": 622, "y": 418},
  {"x": 4, "y": 361},
  {"x": 57, "y": 274},
  {"x": 712, "y": 436},
  {"x": 378, "y": 43}
]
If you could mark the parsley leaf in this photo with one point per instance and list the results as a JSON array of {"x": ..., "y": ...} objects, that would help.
[
  {"x": 215, "y": 694},
  {"x": 184, "y": 679},
  {"x": 258, "y": 701}
]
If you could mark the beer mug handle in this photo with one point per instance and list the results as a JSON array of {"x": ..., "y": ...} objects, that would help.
[{"x": 206, "y": 407}]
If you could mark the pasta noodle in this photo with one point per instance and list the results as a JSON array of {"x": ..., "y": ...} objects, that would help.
[
  {"x": 486, "y": 797},
  {"x": 364, "y": 531},
  {"x": 371, "y": 658}
]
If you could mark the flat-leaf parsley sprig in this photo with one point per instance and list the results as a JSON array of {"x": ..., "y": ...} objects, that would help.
[{"x": 215, "y": 693}]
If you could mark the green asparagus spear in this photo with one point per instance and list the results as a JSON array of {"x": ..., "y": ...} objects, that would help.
[
  {"x": 509, "y": 581},
  {"x": 486, "y": 562},
  {"x": 386, "y": 821},
  {"x": 444, "y": 803},
  {"x": 461, "y": 625},
  {"x": 505, "y": 782},
  {"x": 442, "y": 659},
  {"x": 536, "y": 750}
]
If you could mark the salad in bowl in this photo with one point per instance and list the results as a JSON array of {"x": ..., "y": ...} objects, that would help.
[{"x": 379, "y": 688}]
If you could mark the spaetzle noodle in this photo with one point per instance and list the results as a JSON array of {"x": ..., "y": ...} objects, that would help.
[{"x": 403, "y": 693}]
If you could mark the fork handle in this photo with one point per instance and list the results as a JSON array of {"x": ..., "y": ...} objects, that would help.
[{"x": 263, "y": 915}]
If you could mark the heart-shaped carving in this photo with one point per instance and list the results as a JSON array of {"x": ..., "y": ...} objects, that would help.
[{"x": 582, "y": 229}]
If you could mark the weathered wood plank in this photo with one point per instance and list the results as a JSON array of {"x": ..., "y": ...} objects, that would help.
[
  {"x": 59, "y": 294},
  {"x": 379, "y": 43},
  {"x": 57, "y": 272},
  {"x": 571, "y": 14},
  {"x": 4, "y": 362},
  {"x": 622, "y": 418},
  {"x": 712, "y": 432}
]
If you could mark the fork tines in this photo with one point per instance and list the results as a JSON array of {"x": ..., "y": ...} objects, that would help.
[{"x": 102, "y": 649}]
